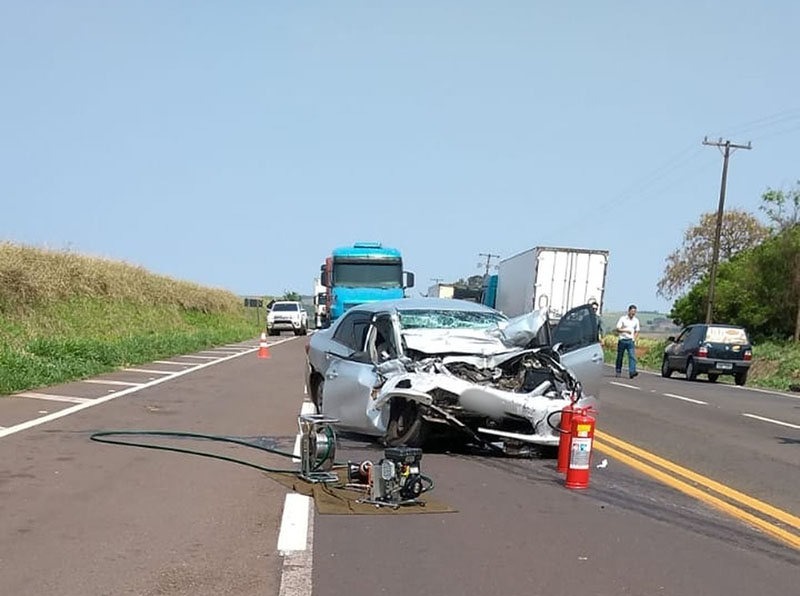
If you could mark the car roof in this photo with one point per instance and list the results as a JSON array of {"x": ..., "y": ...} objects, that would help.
[{"x": 424, "y": 304}]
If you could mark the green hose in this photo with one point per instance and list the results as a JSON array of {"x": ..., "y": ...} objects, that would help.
[{"x": 101, "y": 437}]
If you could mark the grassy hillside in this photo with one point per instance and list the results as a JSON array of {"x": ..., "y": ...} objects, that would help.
[{"x": 65, "y": 316}]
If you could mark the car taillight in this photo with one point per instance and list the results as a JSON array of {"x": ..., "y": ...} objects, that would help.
[
  {"x": 702, "y": 351},
  {"x": 748, "y": 355}
]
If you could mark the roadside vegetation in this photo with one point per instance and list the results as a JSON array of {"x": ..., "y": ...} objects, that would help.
[{"x": 65, "y": 316}]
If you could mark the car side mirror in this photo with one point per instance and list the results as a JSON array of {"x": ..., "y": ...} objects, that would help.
[
  {"x": 671, "y": 339},
  {"x": 557, "y": 347}
]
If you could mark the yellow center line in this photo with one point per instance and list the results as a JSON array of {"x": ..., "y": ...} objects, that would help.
[
  {"x": 731, "y": 493},
  {"x": 701, "y": 495}
]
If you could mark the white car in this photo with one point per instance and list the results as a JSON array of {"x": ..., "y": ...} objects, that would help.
[
  {"x": 287, "y": 316},
  {"x": 401, "y": 369}
]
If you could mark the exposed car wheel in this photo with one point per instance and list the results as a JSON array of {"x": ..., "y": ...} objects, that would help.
[
  {"x": 712, "y": 377},
  {"x": 303, "y": 330},
  {"x": 406, "y": 425},
  {"x": 740, "y": 378},
  {"x": 691, "y": 373},
  {"x": 666, "y": 371}
]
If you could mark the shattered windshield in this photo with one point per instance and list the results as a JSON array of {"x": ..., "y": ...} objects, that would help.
[{"x": 449, "y": 319}]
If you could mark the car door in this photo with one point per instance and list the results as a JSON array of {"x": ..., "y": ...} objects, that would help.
[
  {"x": 681, "y": 349},
  {"x": 349, "y": 379},
  {"x": 580, "y": 349}
]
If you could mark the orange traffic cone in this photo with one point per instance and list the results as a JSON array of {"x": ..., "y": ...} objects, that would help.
[{"x": 263, "y": 350}]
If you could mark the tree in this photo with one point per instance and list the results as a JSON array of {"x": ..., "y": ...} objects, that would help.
[
  {"x": 688, "y": 264},
  {"x": 782, "y": 207},
  {"x": 290, "y": 296},
  {"x": 758, "y": 289}
]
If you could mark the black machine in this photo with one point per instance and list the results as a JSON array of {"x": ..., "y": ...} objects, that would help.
[{"x": 394, "y": 481}]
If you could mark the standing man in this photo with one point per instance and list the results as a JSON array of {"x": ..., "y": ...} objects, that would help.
[{"x": 628, "y": 330}]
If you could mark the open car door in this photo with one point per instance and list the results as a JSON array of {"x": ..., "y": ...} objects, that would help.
[{"x": 581, "y": 350}]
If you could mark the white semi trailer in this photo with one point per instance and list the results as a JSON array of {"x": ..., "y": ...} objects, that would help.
[{"x": 554, "y": 278}]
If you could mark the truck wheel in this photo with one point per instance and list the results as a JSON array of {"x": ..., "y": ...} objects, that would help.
[
  {"x": 691, "y": 373},
  {"x": 666, "y": 371},
  {"x": 406, "y": 425},
  {"x": 740, "y": 378},
  {"x": 712, "y": 377}
]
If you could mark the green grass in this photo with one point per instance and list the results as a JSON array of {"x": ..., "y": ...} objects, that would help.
[
  {"x": 81, "y": 338},
  {"x": 65, "y": 316},
  {"x": 776, "y": 365}
]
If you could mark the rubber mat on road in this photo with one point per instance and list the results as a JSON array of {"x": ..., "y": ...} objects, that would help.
[{"x": 338, "y": 500}]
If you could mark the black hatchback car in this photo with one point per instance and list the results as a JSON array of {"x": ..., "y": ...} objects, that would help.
[{"x": 712, "y": 350}]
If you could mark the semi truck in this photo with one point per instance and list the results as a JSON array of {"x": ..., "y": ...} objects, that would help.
[
  {"x": 556, "y": 279},
  {"x": 320, "y": 303},
  {"x": 363, "y": 272}
]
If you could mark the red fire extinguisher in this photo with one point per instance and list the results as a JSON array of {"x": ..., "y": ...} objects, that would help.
[
  {"x": 580, "y": 448},
  {"x": 565, "y": 432}
]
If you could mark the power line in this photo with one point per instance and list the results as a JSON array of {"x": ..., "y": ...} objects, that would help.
[{"x": 725, "y": 147}]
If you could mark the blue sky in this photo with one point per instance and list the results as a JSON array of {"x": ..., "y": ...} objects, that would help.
[{"x": 167, "y": 134}]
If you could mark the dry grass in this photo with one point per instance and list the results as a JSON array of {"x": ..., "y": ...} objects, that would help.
[{"x": 32, "y": 277}]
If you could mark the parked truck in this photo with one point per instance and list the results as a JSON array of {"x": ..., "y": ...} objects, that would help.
[
  {"x": 557, "y": 279},
  {"x": 363, "y": 272},
  {"x": 320, "y": 304}
]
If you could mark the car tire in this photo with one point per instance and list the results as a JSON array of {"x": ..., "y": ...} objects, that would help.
[
  {"x": 740, "y": 378},
  {"x": 666, "y": 371},
  {"x": 406, "y": 425},
  {"x": 712, "y": 377},
  {"x": 691, "y": 373},
  {"x": 316, "y": 393}
]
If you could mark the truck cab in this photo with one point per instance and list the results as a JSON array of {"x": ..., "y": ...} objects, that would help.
[{"x": 363, "y": 272}]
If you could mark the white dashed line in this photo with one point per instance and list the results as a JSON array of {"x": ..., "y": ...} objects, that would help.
[
  {"x": 625, "y": 385},
  {"x": 50, "y": 397},
  {"x": 148, "y": 370},
  {"x": 689, "y": 399},
  {"x": 198, "y": 357},
  {"x": 173, "y": 362},
  {"x": 84, "y": 403},
  {"x": 773, "y": 421},
  {"x": 109, "y": 382}
]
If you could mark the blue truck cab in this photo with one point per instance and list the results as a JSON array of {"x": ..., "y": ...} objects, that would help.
[{"x": 364, "y": 272}]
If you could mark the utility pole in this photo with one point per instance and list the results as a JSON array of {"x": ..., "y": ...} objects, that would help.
[
  {"x": 725, "y": 147},
  {"x": 489, "y": 257},
  {"x": 437, "y": 280}
]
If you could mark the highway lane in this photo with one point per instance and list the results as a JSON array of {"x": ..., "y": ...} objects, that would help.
[
  {"x": 713, "y": 438},
  {"x": 79, "y": 517}
]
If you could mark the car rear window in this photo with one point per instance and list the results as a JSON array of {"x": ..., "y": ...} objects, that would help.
[
  {"x": 726, "y": 335},
  {"x": 285, "y": 306}
]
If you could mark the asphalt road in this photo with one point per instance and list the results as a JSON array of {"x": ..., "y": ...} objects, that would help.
[{"x": 77, "y": 517}]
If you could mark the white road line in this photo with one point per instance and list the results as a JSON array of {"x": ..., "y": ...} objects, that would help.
[
  {"x": 100, "y": 400},
  {"x": 625, "y": 385},
  {"x": 294, "y": 525},
  {"x": 149, "y": 370},
  {"x": 298, "y": 564},
  {"x": 218, "y": 352},
  {"x": 174, "y": 362},
  {"x": 48, "y": 396},
  {"x": 198, "y": 357},
  {"x": 689, "y": 399},
  {"x": 767, "y": 391},
  {"x": 773, "y": 421},
  {"x": 109, "y": 382}
]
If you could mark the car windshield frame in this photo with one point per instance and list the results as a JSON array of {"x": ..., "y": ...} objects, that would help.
[{"x": 444, "y": 319}]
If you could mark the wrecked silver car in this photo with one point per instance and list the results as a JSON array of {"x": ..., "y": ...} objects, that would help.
[{"x": 403, "y": 369}]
